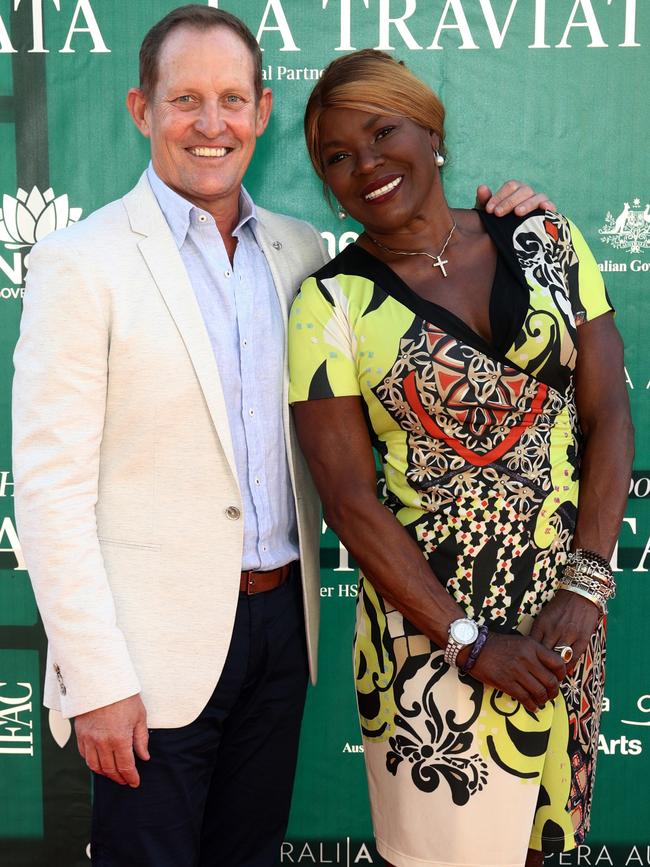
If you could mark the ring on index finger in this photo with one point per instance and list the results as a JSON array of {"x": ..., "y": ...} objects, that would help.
[{"x": 565, "y": 651}]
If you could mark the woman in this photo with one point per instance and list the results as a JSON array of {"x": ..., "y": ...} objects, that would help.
[{"x": 479, "y": 357}]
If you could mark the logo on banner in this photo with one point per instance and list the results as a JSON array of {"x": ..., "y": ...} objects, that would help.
[
  {"x": 24, "y": 220},
  {"x": 599, "y": 856},
  {"x": 345, "y": 853},
  {"x": 83, "y": 21},
  {"x": 629, "y": 230},
  {"x": 16, "y": 719},
  {"x": 455, "y": 24},
  {"x": 11, "y": 555}
]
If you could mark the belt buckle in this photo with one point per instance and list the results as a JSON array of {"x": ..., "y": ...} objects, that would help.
[{"x": 250, "y": 582}]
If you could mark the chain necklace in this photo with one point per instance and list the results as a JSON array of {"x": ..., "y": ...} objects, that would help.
[{"x": 438, "y": 261}]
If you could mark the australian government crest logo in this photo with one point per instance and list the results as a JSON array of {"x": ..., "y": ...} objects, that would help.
[
  {"x": 627, "y": 232},
  {"x": 25, "y": 219}
]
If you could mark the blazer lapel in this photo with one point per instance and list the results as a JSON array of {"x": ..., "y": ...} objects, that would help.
[{"x": 166, "y": 266}]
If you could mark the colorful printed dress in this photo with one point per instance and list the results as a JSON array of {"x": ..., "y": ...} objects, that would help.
[{"x": 480, "y": 448}]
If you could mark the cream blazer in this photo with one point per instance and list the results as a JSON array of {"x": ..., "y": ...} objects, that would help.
[{"x": 123, "y": 463}]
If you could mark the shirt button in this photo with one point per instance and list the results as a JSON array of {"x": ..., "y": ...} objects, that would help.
[
  {"x": 227, "y": 273},
  {"x": 257, "y": 482},
  {"x": 202, "y": 218},
  {"x": 245, "y": 342},
  {"x": 233, "y": 513},
  {"x": 251, "y": 412}
]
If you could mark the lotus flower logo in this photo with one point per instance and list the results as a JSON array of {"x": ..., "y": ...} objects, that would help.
[{"x": 29, "y": 218}]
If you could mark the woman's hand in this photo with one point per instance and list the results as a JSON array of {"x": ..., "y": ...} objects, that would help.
[
  {"x": 568, "y": 619},
  {"x": 522, "y": 668},
  {"x": 512, "y": 196}
]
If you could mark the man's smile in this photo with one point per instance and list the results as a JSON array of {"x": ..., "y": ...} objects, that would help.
[{"x": 209, "y": 152}]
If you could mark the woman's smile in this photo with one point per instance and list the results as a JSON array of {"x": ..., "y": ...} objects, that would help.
[{"x": 381, "y": 189}]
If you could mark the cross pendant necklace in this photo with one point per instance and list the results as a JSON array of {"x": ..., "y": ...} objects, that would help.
[{"x": 438, "y": 261}]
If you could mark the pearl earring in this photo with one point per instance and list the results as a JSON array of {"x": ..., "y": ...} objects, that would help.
[
  {"x": 340, "y": 213},
  {"x": 440, "y": 160}
]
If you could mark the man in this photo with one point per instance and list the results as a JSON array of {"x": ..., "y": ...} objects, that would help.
[{"x": 162, "y": 503}]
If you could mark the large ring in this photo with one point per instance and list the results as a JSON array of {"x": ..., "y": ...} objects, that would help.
[{"x": 565, "y": 651}]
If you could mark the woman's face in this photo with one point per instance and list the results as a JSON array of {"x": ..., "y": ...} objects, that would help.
[{"x": 381, "y": 168}]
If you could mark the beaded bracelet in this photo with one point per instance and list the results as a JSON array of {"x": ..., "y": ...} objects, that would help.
[
  {"x": 590, "y": 558},
  {"x": 477, "y": 647},
  {"x": 583, "y": 563}
]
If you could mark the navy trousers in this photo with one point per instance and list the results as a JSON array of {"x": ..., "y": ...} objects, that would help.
[{"x": 216, "y": 793}]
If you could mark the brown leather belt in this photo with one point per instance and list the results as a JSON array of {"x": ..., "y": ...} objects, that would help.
[{"x": 258, "y": 582}]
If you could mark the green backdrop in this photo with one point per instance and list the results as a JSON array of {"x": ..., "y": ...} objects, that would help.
[{"x": 551, "y": 91}]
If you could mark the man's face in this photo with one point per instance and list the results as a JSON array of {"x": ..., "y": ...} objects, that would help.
[{"x": 203, "y": 118}]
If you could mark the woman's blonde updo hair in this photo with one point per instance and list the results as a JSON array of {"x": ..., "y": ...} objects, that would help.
[{"x": 372, "y": 81}]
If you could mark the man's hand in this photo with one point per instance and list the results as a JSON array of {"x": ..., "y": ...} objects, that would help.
[
  {"x": 108, "y": 736},
  {"x": 511, "y": 196}
]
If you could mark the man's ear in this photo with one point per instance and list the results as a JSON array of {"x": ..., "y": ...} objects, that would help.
[
  {"x": 264, "y": 106},
  {"x": 136, "y": 104}
]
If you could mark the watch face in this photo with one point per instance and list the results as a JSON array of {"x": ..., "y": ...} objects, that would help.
[{"x": 464, "y": 631}]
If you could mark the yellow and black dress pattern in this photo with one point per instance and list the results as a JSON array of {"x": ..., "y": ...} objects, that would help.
[{"x": 480, "y": 447}]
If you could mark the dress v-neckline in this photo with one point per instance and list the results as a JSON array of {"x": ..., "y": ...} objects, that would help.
[
  {"x": 431, "y": 311},
  {"x": 509, "y": 296}
]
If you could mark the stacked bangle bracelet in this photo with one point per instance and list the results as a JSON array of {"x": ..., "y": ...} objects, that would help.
[{"x": 590, "y": 575}]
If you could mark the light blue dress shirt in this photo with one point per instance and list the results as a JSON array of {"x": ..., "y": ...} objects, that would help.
[{"x": 246, "y": 328}]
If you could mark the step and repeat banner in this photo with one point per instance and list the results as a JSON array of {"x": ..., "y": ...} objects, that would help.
[{"x": 550, "y": 91}]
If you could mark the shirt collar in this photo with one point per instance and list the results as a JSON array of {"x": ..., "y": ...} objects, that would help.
[{"x": 180, "y": 213}]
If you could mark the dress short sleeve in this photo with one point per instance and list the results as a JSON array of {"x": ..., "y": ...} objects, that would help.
[
  {"x": 322, "y": 345},
  {"x": 589, "y": 298}
]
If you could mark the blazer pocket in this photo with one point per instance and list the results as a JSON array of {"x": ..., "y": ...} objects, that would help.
[{"x": 126, "y": 543}]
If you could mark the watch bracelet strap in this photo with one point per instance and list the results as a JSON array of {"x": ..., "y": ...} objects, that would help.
[{"x": 452, "y": 650}]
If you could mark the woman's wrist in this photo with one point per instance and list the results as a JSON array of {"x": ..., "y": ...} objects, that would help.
[
  {"x": 589, "y": 575},
  {"x": 475, "y": 650}
]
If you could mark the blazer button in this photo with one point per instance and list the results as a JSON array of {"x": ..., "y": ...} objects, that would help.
[{"x": 233, "y": 513}]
